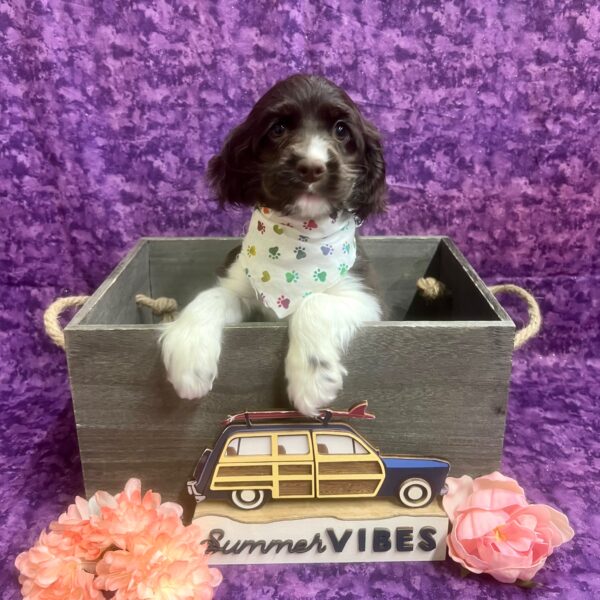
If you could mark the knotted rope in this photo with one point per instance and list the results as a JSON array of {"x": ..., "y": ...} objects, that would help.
[
  {"x": 161, "y": 307},
  {"x": 165, "y": 307},
  {"x": 432, "y": 289}
]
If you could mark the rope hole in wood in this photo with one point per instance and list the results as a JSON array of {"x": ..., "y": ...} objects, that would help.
[
  {"x": 161, "y": 307},
  {"x": 432, "y": 289},
  {"x": 429, "y": 287}
]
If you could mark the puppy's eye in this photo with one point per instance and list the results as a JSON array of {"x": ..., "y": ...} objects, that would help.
[
  {"x": 341, "y": 131},
  {"x": 277, "y": 129}
]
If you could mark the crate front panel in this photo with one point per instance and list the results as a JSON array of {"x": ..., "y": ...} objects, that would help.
[{"x": 437, "y": 390}]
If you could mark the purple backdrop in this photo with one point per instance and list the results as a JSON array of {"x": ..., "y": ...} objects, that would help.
[{"x": 489, "y": 111}]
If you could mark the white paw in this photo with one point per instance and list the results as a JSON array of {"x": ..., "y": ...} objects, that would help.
[
  {"x": 191, "y": 356},
  {"x": 314, "y": 379}
]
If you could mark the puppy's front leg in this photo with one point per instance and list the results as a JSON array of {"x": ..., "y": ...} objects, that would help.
[
  {"x": 191, "y": 345},
  {"x": 320, "y": 331}
]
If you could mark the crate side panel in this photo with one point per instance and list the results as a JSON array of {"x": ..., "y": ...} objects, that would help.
[
  {"x": 468, "y": 302},
  {"x": 181, "y": 268},
  {"x": 398, "y": 263},
  {"x": 115, "y": 304}
]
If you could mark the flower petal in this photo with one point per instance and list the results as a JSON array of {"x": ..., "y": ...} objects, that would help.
[
  {"x": 476, "y": 523},
  {"x": 459, "y": 489},
  {"x": 496, "y": 480}
]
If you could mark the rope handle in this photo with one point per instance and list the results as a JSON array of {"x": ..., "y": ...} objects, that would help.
[
  {"x": 431, "y": 289},
  {"x": 533, "y": 309},
  {"x": 51, "y": 317},
  {"x": 165, "y": 307}
]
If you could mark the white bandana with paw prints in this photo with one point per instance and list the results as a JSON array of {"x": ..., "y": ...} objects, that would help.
[{"x": 287, "y": 259}]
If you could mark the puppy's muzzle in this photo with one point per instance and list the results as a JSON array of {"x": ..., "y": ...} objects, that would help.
[{"x": 311, "y": 170}]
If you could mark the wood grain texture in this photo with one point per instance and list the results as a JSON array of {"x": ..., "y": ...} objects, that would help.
[
  {"x": 350, "y": 487},
  {"x": 349, "y": 468},
  {"x": 438, "y": 388},
  {"x": 244, "y": 471},
  {"x": 295, "y": 488},
  {"x": 114, "y": 301},
  {"x": 295, "y": 469}
]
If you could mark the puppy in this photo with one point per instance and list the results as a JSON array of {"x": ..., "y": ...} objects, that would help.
[{"x": 312, "y": 168}]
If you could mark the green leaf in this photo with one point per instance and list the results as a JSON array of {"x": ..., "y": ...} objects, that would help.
[
  {"x": 528, "y": 584},
  {"x": 464, "y": 572}
]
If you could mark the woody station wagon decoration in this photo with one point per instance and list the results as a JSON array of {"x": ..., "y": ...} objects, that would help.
[
  {"x": 255, "y": 461},
  {"x": 315, "y": 491}
]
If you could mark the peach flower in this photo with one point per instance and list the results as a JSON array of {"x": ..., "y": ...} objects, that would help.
[
  {"x": 496, "y": 531},
  {"x": 129, "y": 544},
  {"x": 161, "y": 565},
  {"x": 130, "y": 514},
  {"x": 46, "y": 574},
  {"x": 78, "y": 532}
]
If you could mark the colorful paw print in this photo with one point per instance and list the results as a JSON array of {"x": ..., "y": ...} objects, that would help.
[
  {"x": 283, "y": 302},
  {"x": 327, "y": 249},
  {"x": 251, "y": 251},
  {"x": 261, "y": 227},
  {"x": 346, "y": 248},
  {"x": 247, "y": 271},
  {"x": 306, "y": 294},
  {"x": 292, "y": 276},
  {"x": 303, "y": 238},
  {"x": 265, "y": 276},
  {"x": 320, "y": 275},
  {"x": 300, "y": 252},
  {"x": 310, "y": 225},
  {"x": 274, "y": 253},
  {"x": 343, "y": 269},
  {"x": 278, "y": 229}
]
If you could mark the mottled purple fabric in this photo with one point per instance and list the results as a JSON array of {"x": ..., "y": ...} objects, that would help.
[{"x": 489, "y": 112}]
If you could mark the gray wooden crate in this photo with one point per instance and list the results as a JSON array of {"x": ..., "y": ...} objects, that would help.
[{"x": 438, "y": 382}]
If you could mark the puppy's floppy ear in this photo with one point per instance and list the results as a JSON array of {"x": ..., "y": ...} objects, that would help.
[
  {"x": 232, "y": 174},
  {"x": 370, "y": 191}
]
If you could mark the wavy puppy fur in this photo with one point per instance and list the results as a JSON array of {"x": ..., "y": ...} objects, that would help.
[{"x": 306, "y": 152}]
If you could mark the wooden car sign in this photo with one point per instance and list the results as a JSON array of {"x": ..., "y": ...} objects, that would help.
[{"x": 275, "y": 455}]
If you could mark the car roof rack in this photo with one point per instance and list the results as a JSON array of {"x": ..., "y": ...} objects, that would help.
[{"x": 357, "y": 411}]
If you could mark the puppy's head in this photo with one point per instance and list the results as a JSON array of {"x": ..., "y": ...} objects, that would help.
[{"x": 304, "y": 150}]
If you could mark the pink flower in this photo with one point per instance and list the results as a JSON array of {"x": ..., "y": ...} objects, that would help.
[{"x": 496, "y": 531}]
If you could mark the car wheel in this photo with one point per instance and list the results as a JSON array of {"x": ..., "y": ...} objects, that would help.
[
  {"x": 415, "y": 493},
  {"x": 248, "y": 499}
]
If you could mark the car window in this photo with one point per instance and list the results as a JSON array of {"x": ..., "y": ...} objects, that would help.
[
  {"x": 293, "y": 444},
  {"x": 249, "y": 446},
  {"x": 339, "y": 444}
]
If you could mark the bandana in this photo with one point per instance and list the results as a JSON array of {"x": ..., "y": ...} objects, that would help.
[{"x": 287, "y": 259}]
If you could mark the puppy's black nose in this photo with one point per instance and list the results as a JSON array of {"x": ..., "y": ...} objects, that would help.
[{"x": 310, "y": 169}]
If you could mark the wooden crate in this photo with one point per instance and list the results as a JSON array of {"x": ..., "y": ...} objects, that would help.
[{"x": 437, "y": 382}]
